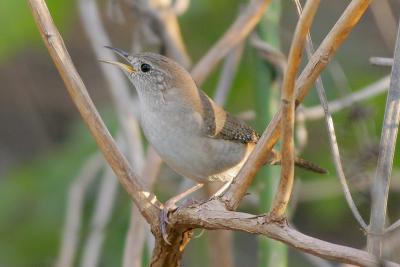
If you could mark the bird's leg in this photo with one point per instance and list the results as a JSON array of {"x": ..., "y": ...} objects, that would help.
[
  {"x": 170, "y": 205},
  {"x": 222, "y": 189}
]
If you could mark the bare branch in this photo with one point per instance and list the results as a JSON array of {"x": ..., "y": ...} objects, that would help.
[
  {"x": 319, "y": 60},
  {"x": 73, "y": 218},
  {"x": 270, "y": 53},
  {"x": 228, "y": 74},
  {"x": 380, "y": 187},
  {"x": 385, "y": 20},
  {"x": 332, "y": 136},
  {"x": 146, "y": 201},
  {"x": 136, "y": 235},
  {"x": 239, "y": 30},
  {"x": 164, "y": 23},
  {"x": 381, "y": 61},
  {"x": 180, "y": 6},
  {"x": 285, "y": 186},
  {"x": 101, "y": 215},
  {"x": 378, "y": 87},
  {"x": 212, "y": 215},
  {"x": 392, "y": 227}
]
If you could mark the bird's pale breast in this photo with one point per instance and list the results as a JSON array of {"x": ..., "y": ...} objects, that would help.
[{"x": 181, "y": 145}]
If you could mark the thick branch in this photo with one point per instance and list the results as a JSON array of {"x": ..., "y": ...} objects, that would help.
[{"x": 212, "y": 215}]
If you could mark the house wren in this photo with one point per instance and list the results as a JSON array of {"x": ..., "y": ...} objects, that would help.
[{"x": 192, "y": 134}]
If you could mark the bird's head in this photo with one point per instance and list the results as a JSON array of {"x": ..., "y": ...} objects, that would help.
[{"x": 152, "y": 73}]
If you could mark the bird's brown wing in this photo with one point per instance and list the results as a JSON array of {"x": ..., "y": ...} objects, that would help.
[
  {"x": 237, "y": 130},
  {"x": 220, "y": 124}
]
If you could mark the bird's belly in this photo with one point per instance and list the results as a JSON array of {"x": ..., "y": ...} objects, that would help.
[{"x": 200, "y": 158}]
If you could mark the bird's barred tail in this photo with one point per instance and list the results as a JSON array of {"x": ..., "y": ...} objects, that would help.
[
  {"x": 308, "y": 165},
  {"x": 275, "y": 159}
]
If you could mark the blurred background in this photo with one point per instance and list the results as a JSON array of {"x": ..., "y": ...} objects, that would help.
[{"x": 44, "y": 145}]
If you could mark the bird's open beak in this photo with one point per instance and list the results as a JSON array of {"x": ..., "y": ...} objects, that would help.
[{"x": 122, "y": 54}]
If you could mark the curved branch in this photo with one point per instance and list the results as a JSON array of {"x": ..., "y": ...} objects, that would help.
[
  {"x": 147, "y": 202},
  {"x": 285, "y": 187}
]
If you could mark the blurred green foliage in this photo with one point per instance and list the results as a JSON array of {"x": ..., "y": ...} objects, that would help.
[{"x": 18, "y": 29}]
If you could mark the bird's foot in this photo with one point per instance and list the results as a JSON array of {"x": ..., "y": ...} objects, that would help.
[{"x": 169, "y": 206}]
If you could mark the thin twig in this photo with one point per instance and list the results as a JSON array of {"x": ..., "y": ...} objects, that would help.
[
  {"x": 378, "y": 87},
  {"x": 332, "y": 136},
  {"x": 74, "y": 210},
  {"x": 227, "y": 74},
  {"x": 319, "y": 60},
  {"x": 180, "y": 7},
  {"x": 301, "y": 131},
  {"x": 136, "y": 234},
  {"x": 285, "y": 186},
  {"x": 162, "y": 19},
  {"x": 146, "y": 201},
  {"x": 380, "y": 187},
  {"x": 270, "y": 53},
  {"x": 392, "y": 227},
  {"x": 381, "y": 61},
  {"x": 101, "y": 216},
  {"x": 237, "y": 32},
  {"x": 385, "y": 20}
]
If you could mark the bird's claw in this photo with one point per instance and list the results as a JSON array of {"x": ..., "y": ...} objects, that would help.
[{"x": 168, "y": 207}]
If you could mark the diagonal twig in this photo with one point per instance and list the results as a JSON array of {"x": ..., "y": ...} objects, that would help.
[
  {"x": 101, "y": 215},
  {"x": 239, "y": 30},
  {"x": 76, "y": 194},
  {"x": 135, "y": 238},
  {"x": 378, "y": 87},
  {"x": 285, "y": 186},
  {"x": 332, "y": 136},
  {"x": 380, "y": 187},
  {"x": 227, "y": 74},
  {"x": 381, "y": 61},
  {"x": 317, "y": 63}
]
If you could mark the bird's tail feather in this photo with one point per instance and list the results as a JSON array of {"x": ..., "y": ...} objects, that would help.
[{"x": 275, "y": 159}]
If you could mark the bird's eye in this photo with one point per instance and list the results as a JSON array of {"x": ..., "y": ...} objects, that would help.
[{"x": 145, "y": 67}]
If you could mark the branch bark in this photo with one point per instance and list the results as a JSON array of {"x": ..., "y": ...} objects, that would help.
[
  {"x": 285, "y": 186},
  {"x": 212, "y": 215},
  {"x": 380, "y": 187}
]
